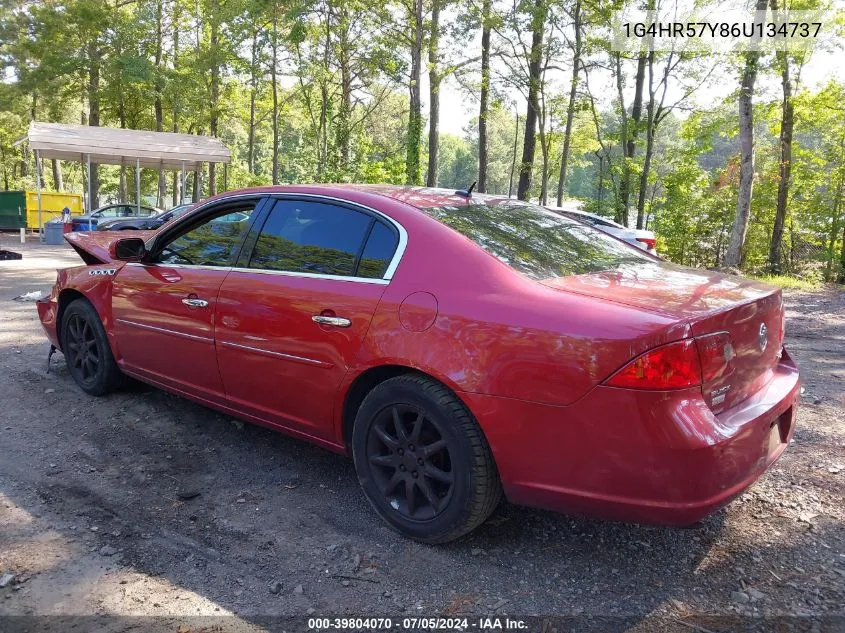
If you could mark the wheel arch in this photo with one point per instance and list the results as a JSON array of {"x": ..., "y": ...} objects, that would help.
[
  {"x": 371, "y": 378},
  {"x": 66, "y": 297}
]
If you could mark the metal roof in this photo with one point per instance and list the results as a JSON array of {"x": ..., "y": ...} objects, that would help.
[{"x": 112, "y": 146}]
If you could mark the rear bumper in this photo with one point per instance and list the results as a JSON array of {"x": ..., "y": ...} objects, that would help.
[
  {"x": 48, "y": 310},
  {"x": 651, "y": 457}
]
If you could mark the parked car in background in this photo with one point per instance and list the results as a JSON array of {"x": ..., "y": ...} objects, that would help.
[
  {"x": 143, "y": 223},
  {"x": 638, "y": 237},
  {"x": 458, "y": 346},
  {"x": 90, "y": 221}
]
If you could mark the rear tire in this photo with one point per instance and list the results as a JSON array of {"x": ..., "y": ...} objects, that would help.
[
  {"x": 86, "y": 349},
  {"x": 422, "y": 460}
]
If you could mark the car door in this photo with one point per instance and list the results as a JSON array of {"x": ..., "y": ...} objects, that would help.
[
  {"x": 293, "y": 314},
  {"x": 164, "y": 308}
]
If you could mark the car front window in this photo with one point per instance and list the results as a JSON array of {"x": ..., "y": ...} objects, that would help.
[
  {"x": 538, "y": 243},
  {"x": 209, "y": 244}
]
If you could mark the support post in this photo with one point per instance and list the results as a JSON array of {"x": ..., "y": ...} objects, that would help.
[
  {"x": 182, "y": 192},
  {"x": 225, "y": 176},
  {"x": 38, "y": 193},
  {"x": 138, "y": 186},
  {"x": 88, "y": 202}
]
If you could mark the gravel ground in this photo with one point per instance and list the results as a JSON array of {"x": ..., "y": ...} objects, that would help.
[{"x": 142, "y": 503}]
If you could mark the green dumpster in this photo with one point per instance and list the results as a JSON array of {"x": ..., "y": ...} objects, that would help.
[{"x": 12, "y": 210}]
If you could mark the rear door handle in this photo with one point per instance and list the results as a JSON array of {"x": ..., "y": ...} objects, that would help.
[
  {"x": 331, "y": 320},
  {"x": 195, "y": 303}
]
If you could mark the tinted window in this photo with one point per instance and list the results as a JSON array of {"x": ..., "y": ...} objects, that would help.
[
  {"x": 212, "y": 243},
  {"x": 538, "y": 243},
  {"x": 378, "y": 252},
  {"x": 311, "y": 237},
  {"x": 109, "y": 212}
]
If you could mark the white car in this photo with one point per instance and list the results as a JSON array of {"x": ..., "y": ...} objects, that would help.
[{"x": 638, "y": 237}]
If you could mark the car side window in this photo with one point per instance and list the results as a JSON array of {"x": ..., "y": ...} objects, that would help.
[
  {"x": 212, "y": 243},
  {"x": 378, "y": 251},
  {"x": 311, "y": 237}
]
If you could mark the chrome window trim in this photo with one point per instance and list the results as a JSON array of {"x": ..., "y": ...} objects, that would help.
[
  {"x": 384, "y": 280},
  {"x": 180, "y": 266},
  {"x": 287, "y": 273},
  {"x": 403, "y": 234},
  {"x": 300, "y": 359},
  {"x": 144, "y": 326}
]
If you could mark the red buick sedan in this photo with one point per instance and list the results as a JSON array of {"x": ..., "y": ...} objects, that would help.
[{"x": 460, "y": 347}]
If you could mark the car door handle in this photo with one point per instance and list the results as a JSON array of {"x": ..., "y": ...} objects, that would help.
[
  {"x": 195, "y": 303},
  {"x": 331, "y": 320}
]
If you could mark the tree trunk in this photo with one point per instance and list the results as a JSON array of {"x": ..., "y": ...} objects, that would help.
[
  {"x": 733, "y": 256},
  {"x": 58, "y": 181},
  {"x": 323, "y": 131},
  {"x": 785, "y": 165},
  {"x": 275, "y": 88},
  {"x": 343, "y": 131},
  {"x": 483, "y": 110},
  {"x": 570, "y": 108},
  {"x": 529, "y": 144},
  {"x": 631, "y": 132},
  {"x": 121, "y": 116},
  {"x": 93, "y": 89},
  {"x": 159, "y": 111},
  {"x": 513, "y": 159},
  {"x": 253, "y": 90},
  {"x": 215, "y": 100},
  {"x": 412, "y": 159},
  {"x": 178, "y": 194},
  {"x": 834, "y": 225},
  {"x": 651, "y": 131},
  {"x": 841, "y": 278},
  {"x": 600, "y": 195},
  {"x": 434, "y": 80}
]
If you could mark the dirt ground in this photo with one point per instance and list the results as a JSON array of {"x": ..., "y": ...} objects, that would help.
[{"x": 142, "y": 503}]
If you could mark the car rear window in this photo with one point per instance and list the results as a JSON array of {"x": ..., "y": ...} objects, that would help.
[{"x": 536, "y": 242}]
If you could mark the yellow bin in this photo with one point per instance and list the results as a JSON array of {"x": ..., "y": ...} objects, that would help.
[{"x": 52, "y": 203}]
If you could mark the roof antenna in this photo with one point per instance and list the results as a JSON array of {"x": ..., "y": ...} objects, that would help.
[{"x": 466, "y": 193}]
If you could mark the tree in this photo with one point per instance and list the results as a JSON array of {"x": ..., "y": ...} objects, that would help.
[
  {"x": 746, "y": 167},
  {"x": 577, "y": 52},
  {"x": 484, "y": 108}
]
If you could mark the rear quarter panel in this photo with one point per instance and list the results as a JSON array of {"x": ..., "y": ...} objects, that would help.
[
  {"x": 496, "y": 332},
  {"x": 95, "y": 284}
]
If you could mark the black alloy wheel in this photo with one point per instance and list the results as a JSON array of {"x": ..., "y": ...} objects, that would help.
[
  {"x": 422, "y": 460},
  {"x": 410, "y": 462},
  {"x": 86, "y": 349}
]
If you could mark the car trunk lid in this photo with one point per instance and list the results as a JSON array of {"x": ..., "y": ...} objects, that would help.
[{"x": 710, "y": 302}]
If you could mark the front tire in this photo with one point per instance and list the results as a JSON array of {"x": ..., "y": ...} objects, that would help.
[
  {"x": 422, "y": 460},
  {"x": 86, "y": 349}
]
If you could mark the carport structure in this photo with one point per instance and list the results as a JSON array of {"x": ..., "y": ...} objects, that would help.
[{"x": 112, "y": 146}]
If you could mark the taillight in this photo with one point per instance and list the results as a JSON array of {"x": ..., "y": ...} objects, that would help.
[
  {"x": 672, "y": 366},
  {"x": 648, "y": 241},
  {"x": 717, "y": 353}
]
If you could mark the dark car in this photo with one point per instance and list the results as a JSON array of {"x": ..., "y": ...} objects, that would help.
[
  {"x": 90, "y": 221},
  {"x": 142, "y": 223}
]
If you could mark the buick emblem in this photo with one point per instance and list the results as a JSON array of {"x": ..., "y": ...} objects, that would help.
[{"x": 763, "y": 337}]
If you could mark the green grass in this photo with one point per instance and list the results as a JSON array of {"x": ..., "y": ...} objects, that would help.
[{"x": 791, "y": 283}]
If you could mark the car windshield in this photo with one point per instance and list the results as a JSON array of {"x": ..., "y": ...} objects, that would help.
[{"x": 538, "y": 243}]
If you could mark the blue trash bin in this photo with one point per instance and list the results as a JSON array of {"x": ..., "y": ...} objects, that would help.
[{"x": 54, "y": 232}]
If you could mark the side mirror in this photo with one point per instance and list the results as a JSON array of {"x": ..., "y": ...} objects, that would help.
[{"x": 130, "y": 249}]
